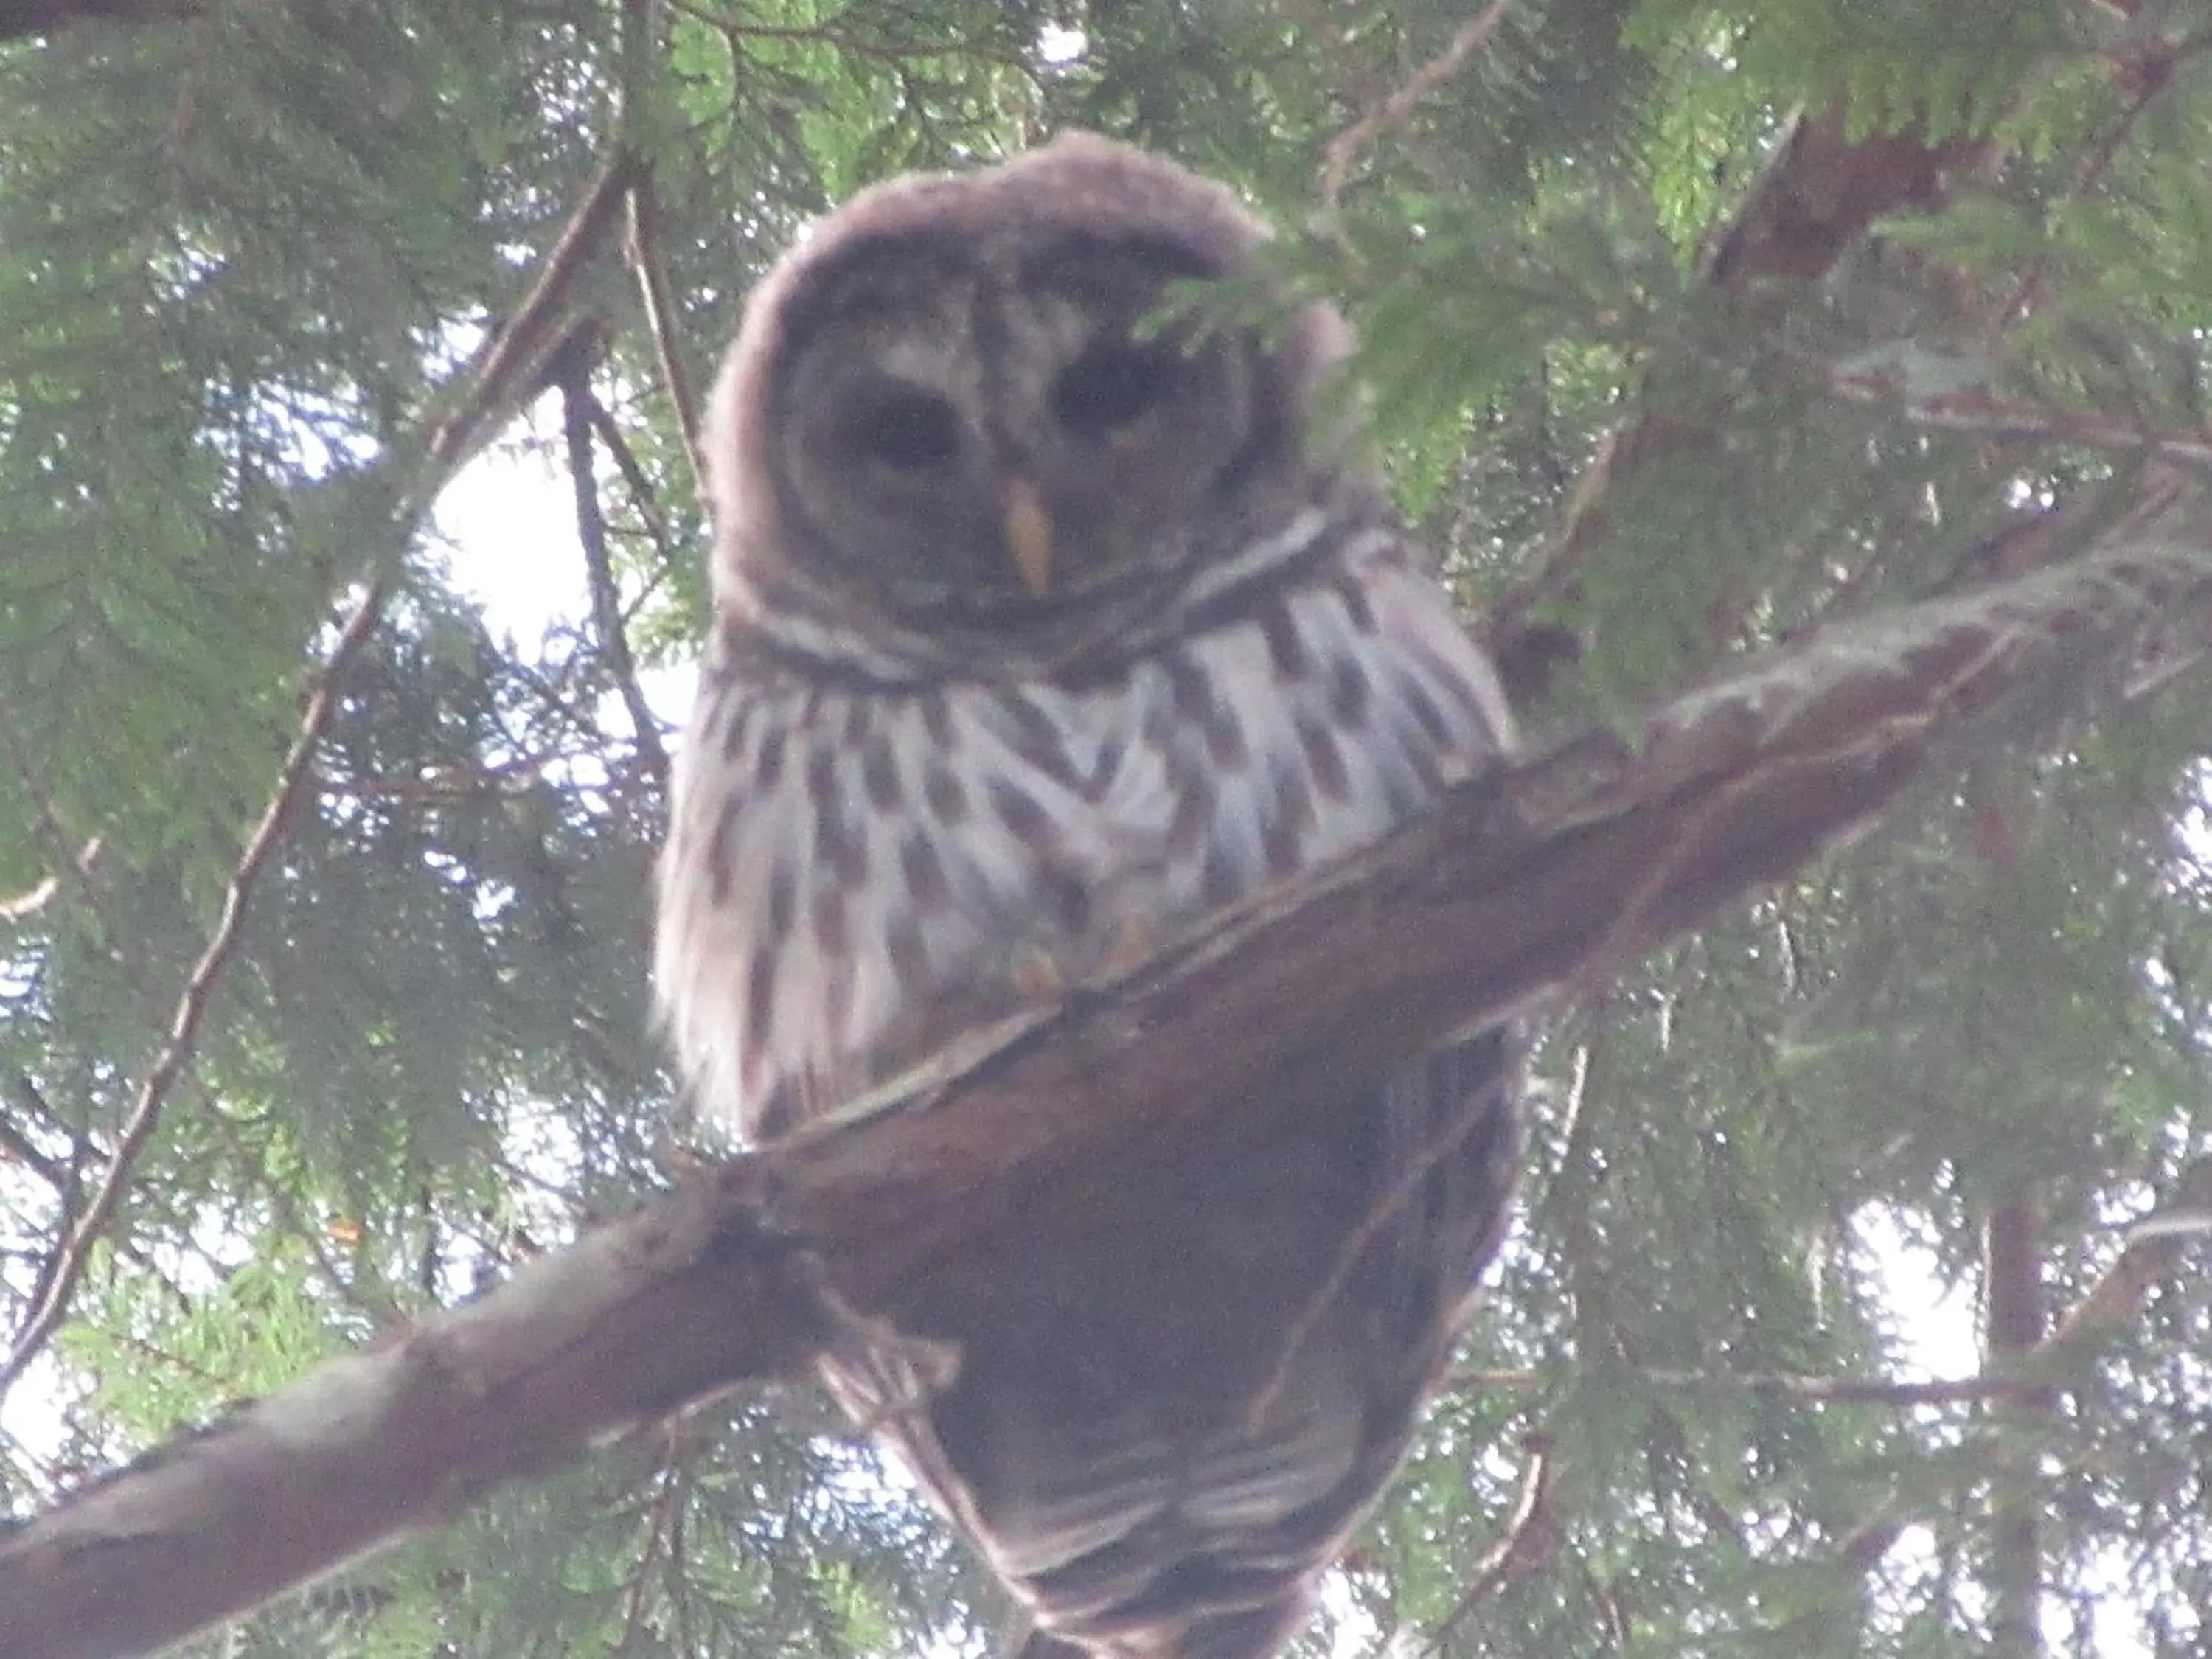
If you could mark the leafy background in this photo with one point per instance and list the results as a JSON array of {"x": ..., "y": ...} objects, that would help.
[{"x": 250, "y": 255}]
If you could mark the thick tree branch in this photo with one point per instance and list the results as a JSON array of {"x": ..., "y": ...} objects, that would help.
[
  {"x": 1556, "y": 872},
  {"x": 2015, "y": 1314}
]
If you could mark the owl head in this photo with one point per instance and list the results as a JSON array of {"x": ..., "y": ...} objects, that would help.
[{"x": 971, "y": 407}]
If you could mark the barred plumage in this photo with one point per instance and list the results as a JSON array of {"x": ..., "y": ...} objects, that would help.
[
  {"x": 870, "y": 853},
  {"x": 973, "y": 724}
]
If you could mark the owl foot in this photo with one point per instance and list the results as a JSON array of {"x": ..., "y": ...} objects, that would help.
[
  {"x": 1037, "y": 974},
  {"x": 882, "y": 1373},
  {"x": 1134, "y": 940}
]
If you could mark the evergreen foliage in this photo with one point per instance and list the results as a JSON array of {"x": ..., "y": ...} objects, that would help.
[{"x": 250, "y": 254}]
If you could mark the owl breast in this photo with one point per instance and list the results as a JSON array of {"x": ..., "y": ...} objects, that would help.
[{"x": 869, "y": 869}]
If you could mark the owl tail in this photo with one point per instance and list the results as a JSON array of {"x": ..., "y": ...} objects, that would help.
[{"x": 1240, "y": 1633}]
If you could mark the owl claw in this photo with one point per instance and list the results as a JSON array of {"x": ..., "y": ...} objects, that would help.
[
  {"x": 1042, "y": 977},
  {"x": 886, "y": 1374},
  {"x": 905, "y": 1374},
  {"x": 1134, "y": 940},
  {"x": 1038, "y": 976}
]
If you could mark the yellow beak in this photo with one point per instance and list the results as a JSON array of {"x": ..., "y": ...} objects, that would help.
[{"x": 1029, "y": 536}]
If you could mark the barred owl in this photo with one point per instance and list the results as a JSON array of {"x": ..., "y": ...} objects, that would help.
[{"x": 1043, "y": 626}]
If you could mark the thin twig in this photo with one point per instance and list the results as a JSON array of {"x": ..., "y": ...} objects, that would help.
[
  {"x": 1530, "y": 1531},
  {"x": 199, "y": 988},
  {"x": 512, "y": 777},
  {"x": 1397, "y": 109},
  {"x": 2152, "y": 72},
  {"x": 17, "y": 1148},
  {"x": 2154, "y": 1249},
  {"x": 641, "y": 494},
  {"x": 1982, "y": 415},
  {"x": 665, "y": 1529},
  {"x": 67, "y": 1181},
  {"x": 598, "y": 568},
  {"x": 641, "y": 245},
  {"x": 1773, "y": 1385},
  {"x": 894, "y": 52}
]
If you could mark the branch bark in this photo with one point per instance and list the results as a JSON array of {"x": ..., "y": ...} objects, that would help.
[
  {"x": 1548, "y": 875},
  {"x": 2016, "y": 1317}
]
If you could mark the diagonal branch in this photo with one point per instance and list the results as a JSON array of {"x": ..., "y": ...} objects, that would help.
[
  {"x": 511, "y": 369},
  {"x": 215, "y": 959},
  {"x": 2154, "y": 1248},
  {"x": 1530, "y": 1533},
  {"x": 1517, "y": 885},
  {"x": 1395, "y": 110}
]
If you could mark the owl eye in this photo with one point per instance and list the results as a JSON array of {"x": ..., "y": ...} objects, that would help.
[
  {"x": 1110, "y": 386},
  {"x": 907, "y": 432}
]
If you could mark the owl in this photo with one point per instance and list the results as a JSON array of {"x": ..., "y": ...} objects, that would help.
[{"x": 1055, "y": 609}]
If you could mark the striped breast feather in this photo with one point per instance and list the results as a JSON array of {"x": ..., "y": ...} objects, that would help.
[
  {"x": 1361, "y": 697},
  {"x": 852, "y": 871}
]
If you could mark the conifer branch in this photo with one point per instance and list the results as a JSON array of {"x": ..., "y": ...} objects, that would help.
[
  {"x": 1818, "y": 195},
  {"x": 492, "y": 385},
  {"x": 215, "y": 959}
]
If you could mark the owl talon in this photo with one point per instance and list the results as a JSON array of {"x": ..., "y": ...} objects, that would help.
[
  {"x": 1037, "y": 974},
  {"x": 904, "y": 1375},
  {"x": 1134, "y": 940},
  {"x": 889, "y": 1374}
]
